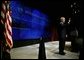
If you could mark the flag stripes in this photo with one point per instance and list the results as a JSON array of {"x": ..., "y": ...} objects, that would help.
[{"x": 7, "y": 23}]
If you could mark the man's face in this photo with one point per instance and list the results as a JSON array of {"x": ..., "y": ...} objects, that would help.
[{"x": 62, "y": 19}]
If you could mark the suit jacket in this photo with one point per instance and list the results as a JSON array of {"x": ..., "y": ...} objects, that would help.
[{"x": 61, "y": 30}]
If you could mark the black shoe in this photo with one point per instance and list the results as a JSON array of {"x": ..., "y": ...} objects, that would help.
[{"x": 62, "y": 53}]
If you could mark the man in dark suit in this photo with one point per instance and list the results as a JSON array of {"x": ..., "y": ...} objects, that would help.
[{"x": 62, "y": 35}]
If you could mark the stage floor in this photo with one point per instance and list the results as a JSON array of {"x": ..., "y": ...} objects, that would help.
[{"x": 51, "y": 48}]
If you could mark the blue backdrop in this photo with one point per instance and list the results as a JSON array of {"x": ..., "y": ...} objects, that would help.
[{"x": 28, "y": 23}]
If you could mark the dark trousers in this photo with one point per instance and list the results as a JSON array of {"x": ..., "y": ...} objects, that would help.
[
  {"x": 61, "y": 44},
  {"x": 74, "y": 46},
  {"x": 81, "y": 54},
  {"x": 62, "y": 37}
]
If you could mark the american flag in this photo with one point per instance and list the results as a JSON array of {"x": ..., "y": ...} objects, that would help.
[{"x": 6, "y": 24}]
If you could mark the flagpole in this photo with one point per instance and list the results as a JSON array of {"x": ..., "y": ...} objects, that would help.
[{"x": 1, "y": 49}]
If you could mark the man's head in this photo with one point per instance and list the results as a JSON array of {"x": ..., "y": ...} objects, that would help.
[{"x": 62, "y": 19}]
